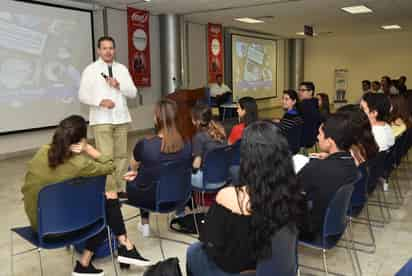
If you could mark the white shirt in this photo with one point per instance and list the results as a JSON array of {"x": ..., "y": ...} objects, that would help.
[
  {"x": 216, "y": 89},
  {"x": 383, "y": 136},
  {"x": 94, "y": 88}
]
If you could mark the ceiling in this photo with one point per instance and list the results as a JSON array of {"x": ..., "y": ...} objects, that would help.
[{"x": 283, "y": 17}]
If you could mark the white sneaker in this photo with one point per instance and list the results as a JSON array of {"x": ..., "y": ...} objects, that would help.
[{"x": 144, "y": 229}]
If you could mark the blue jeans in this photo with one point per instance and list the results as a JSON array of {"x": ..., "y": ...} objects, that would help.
[
  {"x": 199, "y": 264},
  {"x": 197, "y": 182}
]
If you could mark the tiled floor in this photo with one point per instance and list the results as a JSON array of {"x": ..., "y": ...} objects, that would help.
[{"x": 394, "y": 241}]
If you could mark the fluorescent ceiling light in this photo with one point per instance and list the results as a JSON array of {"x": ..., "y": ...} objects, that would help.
[
  {"x": 391, "y": 27},
  {"x": 302, "y": 33},
  {"x": 249, "y": 20},
  {"x": 357, "y": 9}
]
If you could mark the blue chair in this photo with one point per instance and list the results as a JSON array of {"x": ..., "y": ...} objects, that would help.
[
  {"x": 73, "y": 210},
  {"x": 406, "y": 270},
  {"x": 334, "y": 226},
  {"x": 359, "y": 202},
  {"x": 284, "y": 259},
  {"x": 235, "y": 163},
  {"x": 162, "y": 189},
  {"x": 215, "y": 169}
]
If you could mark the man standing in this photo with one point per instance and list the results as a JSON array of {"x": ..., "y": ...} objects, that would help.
[
  {"x": 104, "y": 86},
  {"x": 309, "y": 109}
]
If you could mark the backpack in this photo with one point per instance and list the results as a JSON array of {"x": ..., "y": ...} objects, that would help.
[{"x": 168, "y": 267}]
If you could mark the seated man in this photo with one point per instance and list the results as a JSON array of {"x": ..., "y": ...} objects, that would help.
[
  {"x": 220, "y": 93},
  {"x": 327, "y": 172}
]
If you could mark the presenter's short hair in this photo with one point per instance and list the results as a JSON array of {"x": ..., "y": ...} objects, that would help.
[{"x": 106, "y": 38}]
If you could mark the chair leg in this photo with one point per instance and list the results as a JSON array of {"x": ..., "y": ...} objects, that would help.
[
  {"x": 73, "y": 257},
  {"x": 41, "y": 264},
  {"x": 11, "y": 254},
  {"x": 109, "y": 236},
  {"x": 353, "y": 249},
  {"x": 325, "y": 266},
  {"x": 194, "y": 217},
  {"x": 160, "y": 239}
]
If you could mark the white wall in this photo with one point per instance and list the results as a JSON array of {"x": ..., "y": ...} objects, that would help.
[
  {"x": 141, "y": 115},
  {"x": 366, "y": 57},
  {"x": 196, "y": 55}
]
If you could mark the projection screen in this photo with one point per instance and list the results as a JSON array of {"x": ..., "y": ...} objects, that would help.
[
  {"x": 253, "y": 67},
  {"x": 43, "y": 50}
]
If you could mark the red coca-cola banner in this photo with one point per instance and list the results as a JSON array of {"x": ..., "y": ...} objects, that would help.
[
  {"x": 215, "y": 51},
  {"x": 139, "y": 46}
]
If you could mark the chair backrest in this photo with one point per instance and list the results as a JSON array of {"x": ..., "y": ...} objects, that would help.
[
  {"x": 284, "y": 259},
  {"x": 236, "y": 153},
  {"x": 376, "y": 169},
  {"x": 215, "y": 165},
  {"x": 175, "y": 185},
  {"x": 71, "y": 205},
  {"x": 163, "y": 188},
  {"x": 335, "y": 218},
  {"x": 360, "y": 192}
]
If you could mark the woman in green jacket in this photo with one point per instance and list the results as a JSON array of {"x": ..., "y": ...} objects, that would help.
[{"x": 70, "y": 156}]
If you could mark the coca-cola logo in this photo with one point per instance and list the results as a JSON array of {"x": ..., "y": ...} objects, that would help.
[
  {"x": 215, "y": 30},
  {"x": 141, "y": 18}
]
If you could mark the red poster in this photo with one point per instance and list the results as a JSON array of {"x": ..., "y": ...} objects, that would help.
[
  {"x": 139, "y": 46},
  {"x": 215, "y": 51}
]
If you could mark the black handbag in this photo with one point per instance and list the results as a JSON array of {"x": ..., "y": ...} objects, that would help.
[{"x": 169, "y": 267}]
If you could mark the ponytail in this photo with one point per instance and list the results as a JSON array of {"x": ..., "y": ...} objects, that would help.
[
  {"x": 216, "y": 131},
  {"x": 70, "y": 131}
]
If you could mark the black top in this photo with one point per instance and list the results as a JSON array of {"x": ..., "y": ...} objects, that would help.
[
  {"x": 320, "y": 180},
  {"x": 290, "y": 120},
  {"x": 226, "y": 237},
  {"x": 202, "y": 143},
  {"x": 309, "y": 109},
  {"x": 147, "y": 152}
]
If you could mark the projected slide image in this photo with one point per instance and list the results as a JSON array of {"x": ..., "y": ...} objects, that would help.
[
  {"x": 253, "y": 66},
  {"x": 43, "y": 51}
]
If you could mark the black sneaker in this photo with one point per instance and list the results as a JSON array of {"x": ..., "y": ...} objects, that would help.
[
  {"x": 90, "y": 270},
  {"x": 131, "y": 257}
]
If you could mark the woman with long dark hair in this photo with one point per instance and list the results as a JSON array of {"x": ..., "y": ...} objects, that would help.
[
  {"x": 209, "y": 135},
  {"x": 70, "y": 156},
  {"x": 247, "y": 111},
  {"x": 166, "y": 145},
  {"x": 239, "y": 227}
]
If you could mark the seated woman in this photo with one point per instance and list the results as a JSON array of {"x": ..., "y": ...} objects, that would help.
[
  {"x": 377, "y": 108},
  {"x": 166, "y": 145},
  {"x": 291, "y": 123},
  {"x": 324, "y": 106},
  {"x": 399, "y": 118},
  {"x": 291, "y": 118},
  {"x": 209, "y": 135},
  {"x": 239, "y": 227},
  {"x": 69, "y": 156},
  {"x": 248, "y": 113}
]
